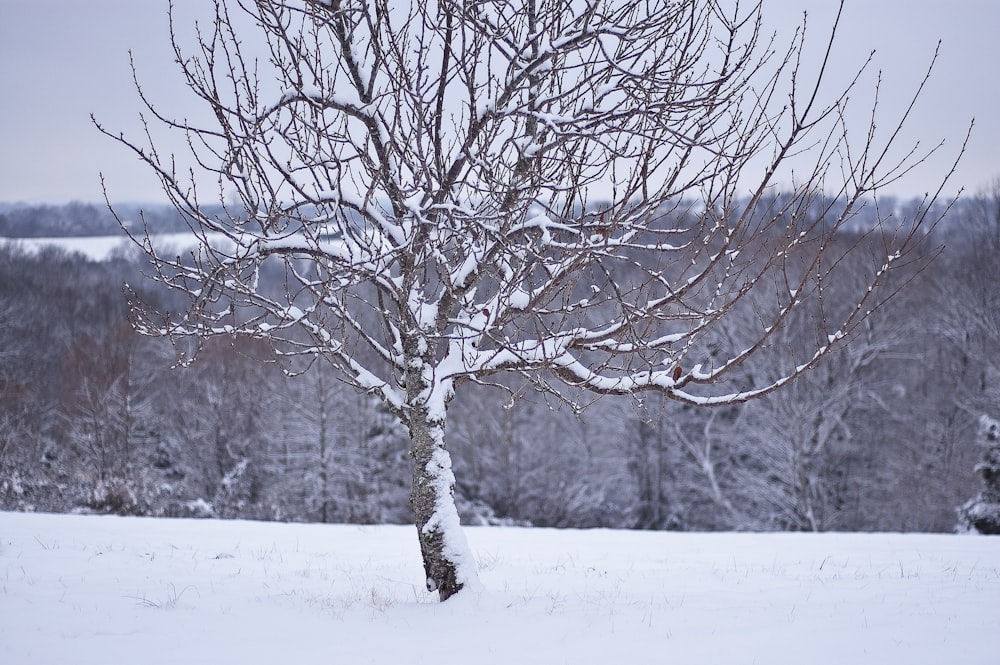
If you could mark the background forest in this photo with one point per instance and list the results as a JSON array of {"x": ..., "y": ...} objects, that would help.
[{"x": 884, "y": 435}]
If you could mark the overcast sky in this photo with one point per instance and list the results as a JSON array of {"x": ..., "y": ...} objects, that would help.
[{"x": 61, "y": 60}]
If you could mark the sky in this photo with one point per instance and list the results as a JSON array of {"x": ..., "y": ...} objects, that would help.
[{"x": 62, "y": 60}]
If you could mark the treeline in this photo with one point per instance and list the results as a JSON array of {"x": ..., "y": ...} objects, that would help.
[
  {"x": 883, "y": 436},
  {"x": 77, "y": 219},
  {"x": 85, "y": 219}
]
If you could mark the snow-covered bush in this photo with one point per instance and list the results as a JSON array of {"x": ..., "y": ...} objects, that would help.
[
  {"x": 119, "y": 496},
  {"x": 982, "y": 514},
  {"x": 236, "y": 493}
]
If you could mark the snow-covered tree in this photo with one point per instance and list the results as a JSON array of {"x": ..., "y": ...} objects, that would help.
[
  {"x": 456, "y": 190},
  {"x": 982, "y": 514}
]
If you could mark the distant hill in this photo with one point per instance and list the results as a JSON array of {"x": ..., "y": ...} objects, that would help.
[
  {"x": 74, "y": 220},
  {"x": 83, "y": 219}
]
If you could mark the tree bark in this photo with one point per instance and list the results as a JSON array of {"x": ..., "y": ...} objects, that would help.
[{"x": 448, "y": 562}]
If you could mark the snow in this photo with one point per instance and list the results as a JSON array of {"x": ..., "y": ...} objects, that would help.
[
  {"x": 293, "y": 313},
  {"x": 88, "y": 589},
  {"x": 95, "y": 248},
  {"x": 101, "y": 248},
  {"x": 520, "y": 299}
]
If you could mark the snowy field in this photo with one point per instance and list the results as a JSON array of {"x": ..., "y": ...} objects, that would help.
[
  {"x": 101, "y": 248},
  {"x": 86, "y": 589}
]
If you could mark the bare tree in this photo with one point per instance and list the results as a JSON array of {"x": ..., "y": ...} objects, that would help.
[{"x": 460, "y": 189}]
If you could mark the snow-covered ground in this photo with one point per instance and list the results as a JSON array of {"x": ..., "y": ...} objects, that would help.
[
  {"x": 87, "y": 589},
  {"x": 100, "y": 248}
]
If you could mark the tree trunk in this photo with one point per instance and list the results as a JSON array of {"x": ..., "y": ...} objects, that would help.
[{"x": 448, "y": 561}]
